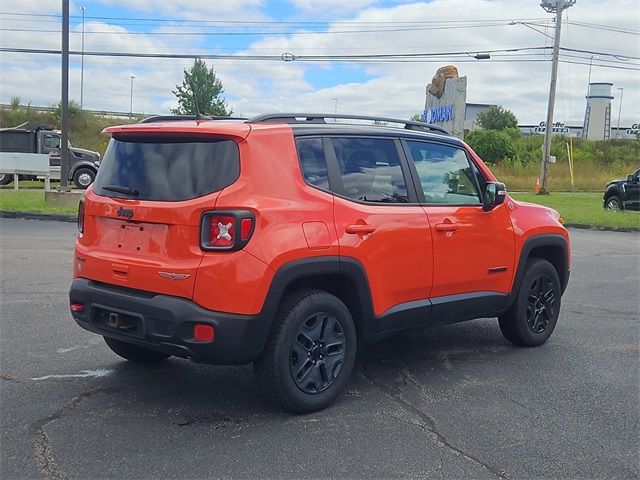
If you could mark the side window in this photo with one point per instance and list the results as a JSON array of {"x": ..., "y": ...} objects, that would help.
[
  {"x": 370, "y": 170},
  {"x": 51, "y": 141},
  {"x": 446, "y": 175},
  {"x": 312, "y": 163}
]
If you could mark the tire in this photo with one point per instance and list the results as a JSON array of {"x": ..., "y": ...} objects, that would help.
[
  {"x": 310, "y": 354},
  {"x": 613, "y": 203},
  {"x": 6, "y": 178},
  {"x": 134, "y": 353},
  {"x": 533, "y": 316},
  {"x": 83, "y": 177}
]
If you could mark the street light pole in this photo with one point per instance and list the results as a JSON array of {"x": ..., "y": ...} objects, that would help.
[
  {"x": 64, "y": 103},
  {"x": 131, "y": 99},
  {"x": 619, "y": 111},
  {"x": 557, "y": 7},
  {"x": 82, "y": 62},
  {"x": 335, "y": 107}
]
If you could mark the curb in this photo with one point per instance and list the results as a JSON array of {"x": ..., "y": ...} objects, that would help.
[
  {"x": 601, "y": 228},
  {"x": 38, "y": 216}
]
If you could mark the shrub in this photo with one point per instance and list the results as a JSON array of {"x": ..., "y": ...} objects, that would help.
[{"x": 492, "y": 145}]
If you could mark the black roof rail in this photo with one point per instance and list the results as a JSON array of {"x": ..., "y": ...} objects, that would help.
[
  {"x": 321, "y": 118},
  {"x": 176, "y": 118}
]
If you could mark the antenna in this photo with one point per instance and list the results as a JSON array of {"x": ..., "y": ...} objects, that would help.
[{"x": 199, "y": 116}]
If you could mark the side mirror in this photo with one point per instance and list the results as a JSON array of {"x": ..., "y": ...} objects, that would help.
[
  {"x": 494, "y": 195},
  {"x": 630, "y": 178}
]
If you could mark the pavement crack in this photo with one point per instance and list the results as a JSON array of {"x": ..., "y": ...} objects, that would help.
[
  {"x": 11, "y": 378},
  {"x": 426, "y": 423},
  {"x": 42, "y": 445}
]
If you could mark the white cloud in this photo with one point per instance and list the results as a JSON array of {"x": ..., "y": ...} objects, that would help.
[{"x": 395, "y": 89}]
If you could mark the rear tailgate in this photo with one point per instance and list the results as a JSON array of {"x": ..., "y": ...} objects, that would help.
[{"x": 142, "y": 215}]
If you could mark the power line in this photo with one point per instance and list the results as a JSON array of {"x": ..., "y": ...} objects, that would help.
[
  {"x": 361, "y": 59},
  {"x": 605, "y": 27}
]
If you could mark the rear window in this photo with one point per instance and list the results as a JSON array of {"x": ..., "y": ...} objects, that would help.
[{"x": 166, "y": 169}]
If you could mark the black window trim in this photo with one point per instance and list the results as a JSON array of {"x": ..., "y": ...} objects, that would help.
[
  {"x": 416, "y": 178},
  {"x": 335, "y": 177}
]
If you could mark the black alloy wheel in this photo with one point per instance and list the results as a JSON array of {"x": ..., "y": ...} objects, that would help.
[
  {"x": 613, "y": 203},
  {"x": 317, "y": 353},
  {"x": 311, "y": 352},
  {"x": 541, "y": 301},
  {"x": 534, "y": 313}
]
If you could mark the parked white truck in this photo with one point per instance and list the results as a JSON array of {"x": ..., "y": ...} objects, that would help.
[{"x": 30, "y": 138}]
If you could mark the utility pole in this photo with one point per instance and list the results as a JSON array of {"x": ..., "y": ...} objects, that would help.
[
  {"x": 131, "y": 98},
  {"x": 82, "y": 62},
  {"x": 64, "y": 104},
  {"x": 619, "y": 111},
  {"x": 557, "y": 7}
]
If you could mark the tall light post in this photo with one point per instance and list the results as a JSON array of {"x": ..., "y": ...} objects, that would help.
[
  {"x": 335, "y": 106},
  {"x": 131, "y": 99},
  {"x": 557, "y": 7},
  {"x": 64, "y": 103},
  {"x": 619, "y": 111},
  {"x": 82, "y": 62}
]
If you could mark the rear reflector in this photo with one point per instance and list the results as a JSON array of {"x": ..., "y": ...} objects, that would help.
[
  {"x": 77, "y": 307},
  {"x": 245, "y": 228},
  {"x": 203, "y": 332}
]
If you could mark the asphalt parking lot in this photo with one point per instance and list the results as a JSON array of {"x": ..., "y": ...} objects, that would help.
[{"x": 456, "y": 402}]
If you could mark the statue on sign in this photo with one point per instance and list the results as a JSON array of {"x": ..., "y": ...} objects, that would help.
[{"x": 436, "y": 87}]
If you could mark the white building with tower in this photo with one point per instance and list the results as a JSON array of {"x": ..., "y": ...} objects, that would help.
[{"x": 597, "y": 115}]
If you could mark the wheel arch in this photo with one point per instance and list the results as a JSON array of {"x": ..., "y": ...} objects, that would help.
[
  {"x": 613, "y": 190},
  {"x": 343, "y": 277},
  {"x": 550, "y": 247}
]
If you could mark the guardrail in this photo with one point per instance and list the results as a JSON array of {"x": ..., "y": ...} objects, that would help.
[
  {"x": 12, "y": 163},
  {"x": 102, "y": 113}
]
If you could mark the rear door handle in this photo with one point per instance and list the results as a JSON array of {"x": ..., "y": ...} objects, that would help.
[
  {"x": 360, "y": 228},
  {"x": 446, "y": 227}
]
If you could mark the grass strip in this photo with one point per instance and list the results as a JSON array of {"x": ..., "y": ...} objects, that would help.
[
  {"x": 31, "y": 201},
  {"x": 583, "y": 209}
]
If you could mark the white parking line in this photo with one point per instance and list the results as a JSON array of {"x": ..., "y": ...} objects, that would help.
[
  {"x": 101, "y": 372},
  {"x": 92, "y": 342}
]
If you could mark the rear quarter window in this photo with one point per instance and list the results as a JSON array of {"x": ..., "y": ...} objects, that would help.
[{"x": 167, "y": 168}]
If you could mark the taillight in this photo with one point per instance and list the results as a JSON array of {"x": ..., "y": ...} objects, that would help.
[
  {"x": 226, "y": 230},
  {"x": 81, "y": 216}
]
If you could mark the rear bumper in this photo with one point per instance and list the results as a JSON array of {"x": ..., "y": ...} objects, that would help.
[{"x": 165, "y": 323}]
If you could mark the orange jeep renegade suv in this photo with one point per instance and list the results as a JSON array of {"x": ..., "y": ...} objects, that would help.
[{"x": 285, "y": 240}]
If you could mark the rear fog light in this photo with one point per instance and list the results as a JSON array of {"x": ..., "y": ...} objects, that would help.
[
  {"x": 203, "y": 333},
  {"x": 77, "y": 307}
]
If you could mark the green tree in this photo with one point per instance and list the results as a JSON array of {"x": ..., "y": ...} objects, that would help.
[
  {"x": 496, "y": 118},
  {"x": 208, "y": 91},
  {"x": 492, "y": 146},
  {"x": 416, "y": 117}
]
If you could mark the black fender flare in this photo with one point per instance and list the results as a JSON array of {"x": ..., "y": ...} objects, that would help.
[
  {"x": 308, "y": 268},
  {"x": 537, "y": 241}
]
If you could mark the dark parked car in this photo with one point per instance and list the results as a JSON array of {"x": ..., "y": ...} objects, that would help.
[{"x": 623, "y": 194}]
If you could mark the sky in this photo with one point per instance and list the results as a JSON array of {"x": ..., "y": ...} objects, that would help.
[{"x": 322, "y": 38}]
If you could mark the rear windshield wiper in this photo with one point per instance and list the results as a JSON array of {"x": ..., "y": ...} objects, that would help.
[{"x": 119, "y": 189}]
